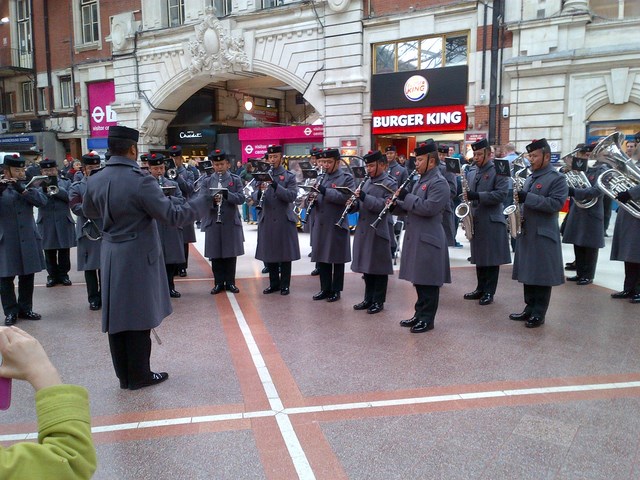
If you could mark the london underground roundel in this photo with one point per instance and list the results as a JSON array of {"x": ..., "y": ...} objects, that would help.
[{"x": 416, "y": 88}]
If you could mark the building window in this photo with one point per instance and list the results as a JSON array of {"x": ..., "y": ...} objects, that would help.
[
  {"x": 66, "y": 92},
  {"x": 27, "y": 96},
  {"x": 42, "y": 99},
  {"x": 23, "y": 15},
  {"x": 420, "y": 53},
  {"x": 8, "y": 102},
  {"x": 176, "y": 12},
  {"x": 271, "y": 3},
  {"x": 90, "y": 21},
  {"x": 615, "y": 9},
  {"x": 223, "y": 7}
]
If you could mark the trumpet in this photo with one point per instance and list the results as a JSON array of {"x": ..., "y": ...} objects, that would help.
[
  {"x": 350, "y": 202},
  {"x": 52, "y": 186},
  {"x": 392, "y": 200}
]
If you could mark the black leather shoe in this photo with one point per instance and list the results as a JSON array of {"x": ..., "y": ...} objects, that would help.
[
  {"x": 10, "y": 319},
  {"x": 154, "y": 380},
  {"x": 182, "y": 272},
  {"x": 534, "y": 322},
  {"x": 30, "y": 315},
  {"x": 486, "y": 299},
  {"x": 232, "y": 288},
  {"x": 334, "y": 297},
  {"x": 622, "y": 294},
  {"x": 315, "y": 272},
  {"x": 66, "y": 282},
  {"x": 570, "y": 265},
  {"x": 422, "y": 326},
  {"x": 265, "y": 270},
  {"x": 51, "y": 282},
  {"x": 362, "y": 305},
  {"x": 284, "y": 291},
  {"x": 585, "y": 281},
  {"x": 575, "y": 278},
  {"x": 94, "y": 306},
  {"x": 475, "y": 295},
  {"x": 124, "y": 385},
  {"x": 409, "y": 322},
  {"x": 174, "y": 294},
  {"x": 520, "y": 317},
  {"x": 375, "y": 308},
  {"x": 635, "y": 298},
  {"x": 322, "y": 294},
  {"x": 217, "y": 289},
  {"x": 269, "y": 290}
]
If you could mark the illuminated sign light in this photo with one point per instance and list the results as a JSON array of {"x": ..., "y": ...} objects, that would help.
[{"x": 447, "y": 118}]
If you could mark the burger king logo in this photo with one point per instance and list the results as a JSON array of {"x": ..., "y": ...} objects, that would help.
[{"x": 416, "y": 88}]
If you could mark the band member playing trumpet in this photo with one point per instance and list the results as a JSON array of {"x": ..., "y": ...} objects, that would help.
[
  {"x": 372, "y": 246},
  {"x": 170, "y": 236},
  {"x": 88, "y": 250},
  {"x": 21, "y": 252},
  {"x": 584, "y": 226},
  {"x": 490, "y": 244},
  {"x": 222, "y": 225},
  {"x": 538, "y": 261},
  {"x": 332, "y": 246},
  {"x": 425, "y": 242},
  {"x": 277, "y": 232},
  {"x": 56, "y": 225}
]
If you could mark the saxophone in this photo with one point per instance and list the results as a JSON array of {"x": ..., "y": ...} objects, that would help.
[
  {"x": 514, "y": 212},
  {"x": 463, "y": 211}
]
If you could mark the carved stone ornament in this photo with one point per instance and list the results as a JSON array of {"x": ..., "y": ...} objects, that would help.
[
  {"x": 214, "y": 50},
  {"x": 338, "y": 5},
  {"x": 153, "y": 131}
]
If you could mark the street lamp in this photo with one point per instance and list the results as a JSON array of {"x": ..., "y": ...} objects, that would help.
[
  {"x": 4, "y": 20},
  {"x": 248, "y": 104}
]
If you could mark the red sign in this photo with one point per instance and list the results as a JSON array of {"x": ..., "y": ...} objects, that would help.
[
  {"x": 448, "y": 118},
  {"x": 473, "y": 137},
  {"x": 256, "y": 140}
]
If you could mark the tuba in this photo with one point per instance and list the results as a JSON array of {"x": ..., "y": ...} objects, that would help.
[
  {"x": 514, "y": 212},
  {"x": 623, "y": 175},
  {"x": 463, "y": 211}
]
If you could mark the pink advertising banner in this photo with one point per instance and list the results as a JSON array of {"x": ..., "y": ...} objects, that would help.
[
  {"x": 101, "y": 117},
  {"x": 256, "y": 140}
]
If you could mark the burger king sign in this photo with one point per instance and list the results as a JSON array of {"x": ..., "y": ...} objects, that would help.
[{"x": 416, "y": 88}]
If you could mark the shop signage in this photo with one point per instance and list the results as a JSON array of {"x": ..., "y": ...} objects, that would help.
[
  {"x": 473, "y": 137},
  {"x": 416, "y": 88},
  {"x": 18, "y": 140},
  {"x": 101, "y": 96},
  {"x": 191, "y": 135},
  {"x": 256, "y": 140},
  {"x": 429, "y": 119}
]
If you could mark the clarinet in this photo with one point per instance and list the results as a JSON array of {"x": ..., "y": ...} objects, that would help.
[
  {"x": 394, "y": 197},
  {"x": 264, "y": 192},
  {"x": 350, "y": 202},
  {"x": 219, "y": 204},
  {"x": 312, "y": 202}
]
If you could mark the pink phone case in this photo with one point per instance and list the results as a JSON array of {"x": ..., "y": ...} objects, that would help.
[{"x": 5, "y": 393}]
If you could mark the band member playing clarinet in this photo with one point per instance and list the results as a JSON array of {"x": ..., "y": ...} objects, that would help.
[
  {"x": 277, "y": 232},
  {"x": 538, "y": 262},
  {"x": 332, "y": 246},
  {"x": 490, "y": 244},
  {"x": 425, "y": 242},
  {"x": 372, "y": 245},
  {"x": 222, "y": 225}
]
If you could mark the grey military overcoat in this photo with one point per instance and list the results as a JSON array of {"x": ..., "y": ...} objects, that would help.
[
  {"x": 135, "y": 293},
  {"x": 398, "y": 172},
  {"x": 425, "y": 256},
  {"x": 538, "y": 259},
  {"x": 185, "y": 180},
  {"x": 20, "y": 241},
  {"x": 171, "y": 237},
  {"x": 448, "y": 218},
  {"x": 331, "y": 243},
  {"x": 55, "y": 222},
  {"x": 226, "y": 239},
  {"x": 88, "y": 250},
  {"x": 277, "y": 231},
  {"x": 490, "y": 243},
  {"x": 585, "y": 226},
  {"x": 625, "y": 246},
  {"x": 372, "y": 247}
]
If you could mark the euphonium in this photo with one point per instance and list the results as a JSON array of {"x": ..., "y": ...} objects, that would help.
[
  {"x": 513, "y": 212},
  {"x": 623, "y": 175},
  {"x": 578, "y": 179},
  {"x": 463, "y": 211}
]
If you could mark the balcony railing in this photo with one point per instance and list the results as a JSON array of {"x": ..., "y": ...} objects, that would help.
[{"x": 16, "y": 58}]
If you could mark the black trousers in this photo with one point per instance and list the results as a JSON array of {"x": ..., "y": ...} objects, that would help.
[
  {"x": 130, "y": 353},
  {"x": 586, "y": 261},
  {"x": 375, "y": 288},
  {"x": 172, "y": 269},
  {"x": 24, "y": 302},
  {"x": 92, "y": 278},
  {"x": 331, "y": 276},
  {"x": 536, "y": 298},
  {"x": 279, "y": 274},
  {"x": 184, "y": 265},
  {"x": 58, "y": 263},
  {"x": 224, "y": 270},
  {"x": 607, "y": 201},
  {"x": 631, "y": 277},
  {"x": 488, "y": 278},
  {"x": 427, "y": 304}
]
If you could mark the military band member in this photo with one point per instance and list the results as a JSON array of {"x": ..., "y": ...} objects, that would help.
[
  {"x": 584, "y": 227},
  {"x": 170, "y": 235},
  {"x": 88, "y": 251},
  {"x": 397, "y": 171},
  {"x": 135, "y": 294},
  {"x": 538, "y": 260},
  {"x": 277, "y": 232},
  {"x": 626, "y": 247},
  {"x": 372, "y": 246},
  {"x": 21, "y": 252},
  {"x": 424, "y": 240},
  {"x": 185, "y": 180},
  {"x": 332, "y": 245},
  {"x": 490, "y": 243},
  {"x": 448, "y": 218},
  {"x": 56, "y": 226},
  {"x": 222, "y": 225},
  {"x": 314, "y": 154}
]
